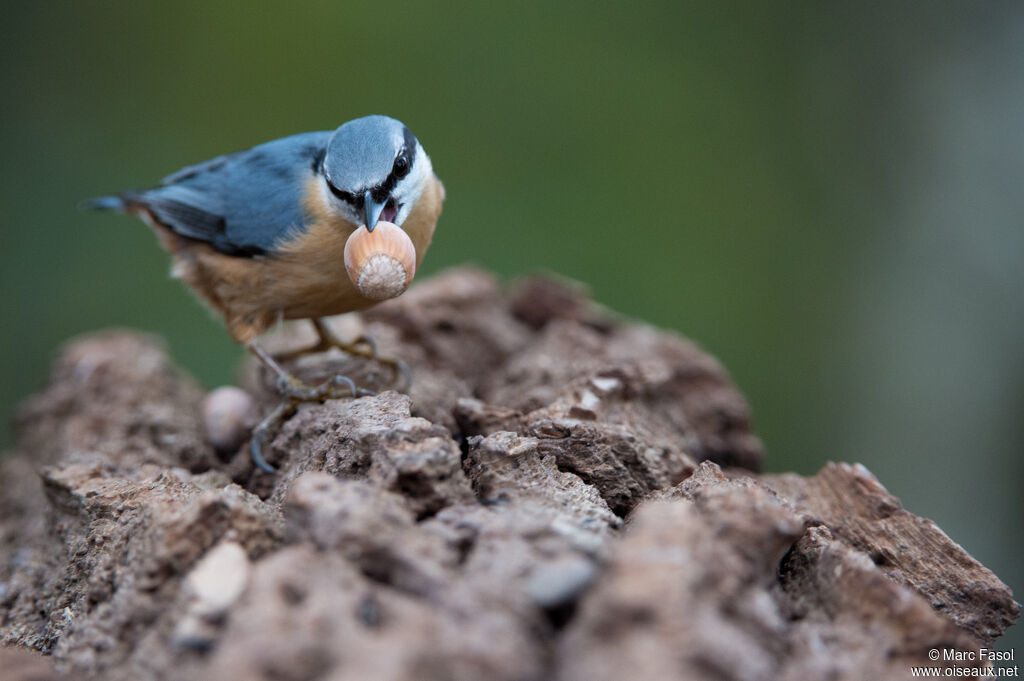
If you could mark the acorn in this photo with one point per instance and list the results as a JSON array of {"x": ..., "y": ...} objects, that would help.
[{"x": 380, "y": 263}]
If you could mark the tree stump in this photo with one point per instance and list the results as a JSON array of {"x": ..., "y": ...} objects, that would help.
[{"x": 563, "y": 495}]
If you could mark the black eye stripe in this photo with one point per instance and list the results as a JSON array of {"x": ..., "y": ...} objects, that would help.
[
  {"x": 381, "y": 191},
  {"x": 410, "y": 145},
  {"x": 344, "y": 195}
]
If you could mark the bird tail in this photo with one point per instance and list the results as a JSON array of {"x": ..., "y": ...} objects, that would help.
[{"x": 103, "y": 203}]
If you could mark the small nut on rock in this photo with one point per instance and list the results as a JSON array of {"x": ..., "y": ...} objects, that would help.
[
  {"x": 228, "y": 416},
  {"x": 380, "y": 263}
]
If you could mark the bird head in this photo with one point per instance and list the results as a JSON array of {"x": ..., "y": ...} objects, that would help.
[{"x": 375, "y": 169}]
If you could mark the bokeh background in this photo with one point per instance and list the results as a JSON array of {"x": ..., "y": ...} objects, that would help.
[{"x": 827, "y": 196}]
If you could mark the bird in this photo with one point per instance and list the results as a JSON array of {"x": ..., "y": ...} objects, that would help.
[{"x": 259, "y": 235}]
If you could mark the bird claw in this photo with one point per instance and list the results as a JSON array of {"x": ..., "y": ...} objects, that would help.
[
  {"x": 401, "y": 376},
  {"x": 339, "y": 386},
  {"x": 295, "y": 393},
  {"x": 364, "y": 346},
  {"x": 270, "y": 424}
]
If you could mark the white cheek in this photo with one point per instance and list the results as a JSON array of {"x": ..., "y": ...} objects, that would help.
[
  {"x": 411, "y": 188},
  {"x": 350, "y": 214},
  {"x": 404, "y": 212}
]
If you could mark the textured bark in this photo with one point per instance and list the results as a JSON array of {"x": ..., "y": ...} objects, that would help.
[{"x": 562, "y": 495}]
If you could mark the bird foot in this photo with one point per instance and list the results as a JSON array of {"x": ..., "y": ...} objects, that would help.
[
  {"x": 363, "y": 346},
  {"x": 295, "y": 393},
  {"x": 333, "y": 388}
]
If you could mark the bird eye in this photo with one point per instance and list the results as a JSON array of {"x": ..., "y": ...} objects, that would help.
[{"x": 402, "y": 165}]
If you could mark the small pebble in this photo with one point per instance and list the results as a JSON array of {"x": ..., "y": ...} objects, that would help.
[
  {"x": 559, "y": 582},
  {"x": 217, "y": 580},
  {"x": 605, "y": 385},
  {"x": 589, "y": 400},
  {"x": 228, "y": 417}
]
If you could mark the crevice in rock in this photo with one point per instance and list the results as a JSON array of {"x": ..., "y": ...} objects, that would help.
[
  {"x": 462, "y": 442},
  {"x": 560, "y": 616},
  {"x": 464, "y": 546}
]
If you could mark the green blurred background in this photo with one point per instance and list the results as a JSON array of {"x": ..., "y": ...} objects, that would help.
[{"x": 828, "y": 197}]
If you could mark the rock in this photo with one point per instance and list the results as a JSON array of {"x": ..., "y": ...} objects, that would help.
[
  {"x": 859, "y": 511},
  {"x": 726, "y": 578},
  {"x": 116, "y": 399},
  {"x": 562, "y": 495},
  {"x": 19, "y": 664}
]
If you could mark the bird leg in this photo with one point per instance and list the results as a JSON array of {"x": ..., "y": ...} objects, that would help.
[
  {"x": 363, "y": 346},
  {"x": 294, "y": 392}
]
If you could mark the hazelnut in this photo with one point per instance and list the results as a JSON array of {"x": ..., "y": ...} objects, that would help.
[{"x": 380, "y": 263}]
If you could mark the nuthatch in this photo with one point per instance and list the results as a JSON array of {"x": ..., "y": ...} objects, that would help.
[{"x": 260, "y": 234}]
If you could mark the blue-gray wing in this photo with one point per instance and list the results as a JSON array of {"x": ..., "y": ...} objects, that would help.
[{"x": 241, "y": 203}]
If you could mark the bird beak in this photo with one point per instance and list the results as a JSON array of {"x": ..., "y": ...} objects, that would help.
[{"x": 373, "y": 210}]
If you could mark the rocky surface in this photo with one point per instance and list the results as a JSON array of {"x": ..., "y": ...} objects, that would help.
[{"x": 561, "y": 495}]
